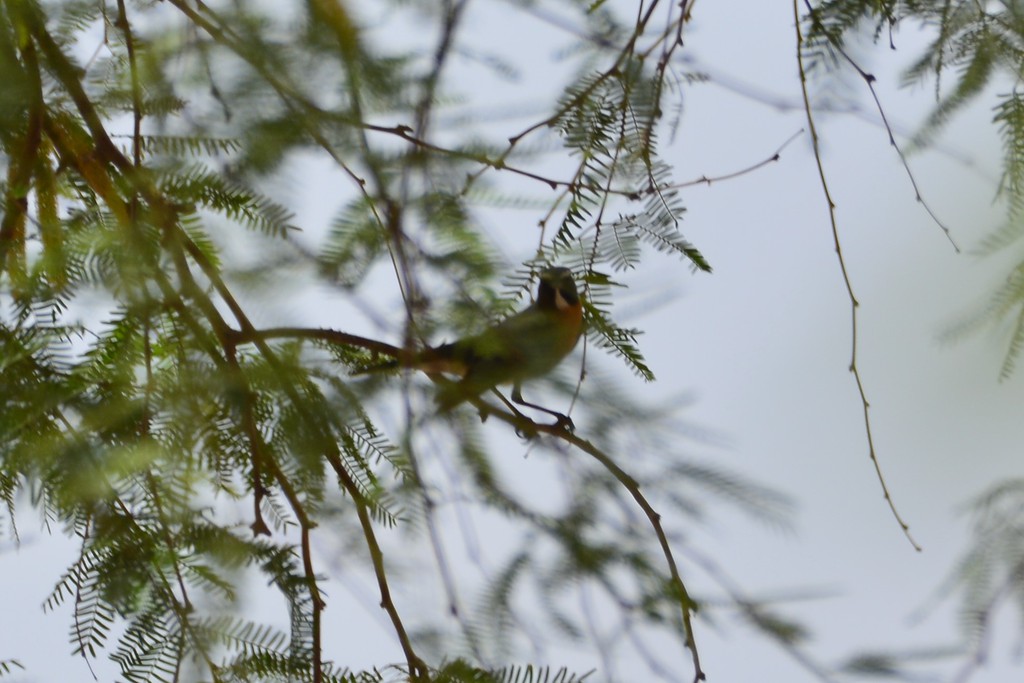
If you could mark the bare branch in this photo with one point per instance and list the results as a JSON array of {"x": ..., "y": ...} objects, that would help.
[{"x": 846, "y": 279}]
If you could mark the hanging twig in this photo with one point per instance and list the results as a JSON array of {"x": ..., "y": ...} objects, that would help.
[{"x": 846, "y": 278}]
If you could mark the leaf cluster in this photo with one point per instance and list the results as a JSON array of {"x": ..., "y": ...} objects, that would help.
[
  {"x": 977, "y": 46},
  {"x": 187, "y": 451}
]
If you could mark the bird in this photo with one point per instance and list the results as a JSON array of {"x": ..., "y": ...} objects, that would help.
[{"x": 525, "y": 346}]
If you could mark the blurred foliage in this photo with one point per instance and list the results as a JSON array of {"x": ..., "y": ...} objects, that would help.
[
  {"x": 147, "y": 152},
  {"x": 975, "y": 47},
  {"x": 148, "y": 156},
  {"x": 974, "y": 54}
]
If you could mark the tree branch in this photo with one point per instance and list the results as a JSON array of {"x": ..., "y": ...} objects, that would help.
[
  {"x": 846, "y": 279},
  {"x": 688, "y": 606}
]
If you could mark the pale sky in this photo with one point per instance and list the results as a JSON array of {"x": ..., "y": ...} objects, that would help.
[{"x": 762, "y": 346}]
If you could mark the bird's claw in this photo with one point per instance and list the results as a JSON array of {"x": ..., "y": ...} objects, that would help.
[
  {"x": 527, "y": 433},
  {"x": 564, "y": 422}
]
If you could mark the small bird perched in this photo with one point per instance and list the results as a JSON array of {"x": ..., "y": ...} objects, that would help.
[{"x": 527, "y": 345}]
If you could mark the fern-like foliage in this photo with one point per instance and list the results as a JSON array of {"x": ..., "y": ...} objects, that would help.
[
  {"x": 622, "y": 195},
  {"x": 9, "y": 665},
  {"x": 356, "y": 240},
  {"x": 128, "y": 419},
  {"x": 609, "y": 122},
  {"x": 975, "y": 45},
  {"x": 204, "y": 189},
  {"x": 986, "y": 583},
  {"x": 975, "y": 42},
  {"x": 990, "y": 574},
  {"x": 180, "y": 419}
]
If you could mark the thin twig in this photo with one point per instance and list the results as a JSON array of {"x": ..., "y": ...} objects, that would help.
[
  {"x": 129, "y": 43},
  {"x": 22, "y": 166},
  {"x": 846, "y": 276},
  {"x": 708, "y": 180},
  {"x": 869, "y": 80},
  {"x": 418, "y": 670},
  {"x": 333, "y": 336},
  {"x": 451, "y": 13},
  {"x": 91, "y": 157},
  {"x": 688, "y": 606},
  {"x": 983, "y": 638},
  {"x": 318, "y": 605}
]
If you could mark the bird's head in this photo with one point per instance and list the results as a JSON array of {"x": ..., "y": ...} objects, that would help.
[{"x": 557, "y": 290}]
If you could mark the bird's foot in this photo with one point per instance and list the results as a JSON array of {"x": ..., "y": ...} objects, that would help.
[
  {"x": 527, "y": 432},
  {"x": 564, "y": 422}
]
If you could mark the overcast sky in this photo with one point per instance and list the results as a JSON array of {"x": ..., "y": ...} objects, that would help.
[{"x": 762, "y": 346}]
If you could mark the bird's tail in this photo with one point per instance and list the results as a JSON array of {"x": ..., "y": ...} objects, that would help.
[
  {"x": 376, "y": 368},
  {"x": 440, "y": 363},
  {"x": 443, "y": 359}
]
